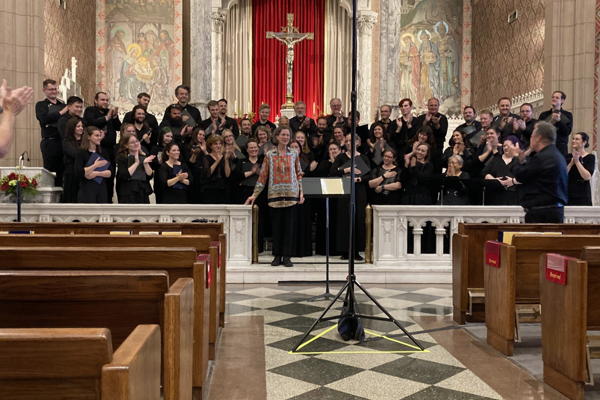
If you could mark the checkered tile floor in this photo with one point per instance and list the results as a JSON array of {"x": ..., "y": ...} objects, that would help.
[{"x": 348, "y": 370}]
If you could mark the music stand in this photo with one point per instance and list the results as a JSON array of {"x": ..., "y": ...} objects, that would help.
[{"x": 325, "y": 188}]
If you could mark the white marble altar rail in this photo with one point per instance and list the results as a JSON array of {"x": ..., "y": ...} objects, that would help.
[
  {"x": 391, "y": 230},
  {"x": 236, "y": 219}
]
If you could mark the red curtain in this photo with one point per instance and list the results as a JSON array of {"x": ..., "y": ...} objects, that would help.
[{"x": 268, "y": 61}]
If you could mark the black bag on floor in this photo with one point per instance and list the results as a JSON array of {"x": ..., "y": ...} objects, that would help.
[{"x": 350, "y": 326}]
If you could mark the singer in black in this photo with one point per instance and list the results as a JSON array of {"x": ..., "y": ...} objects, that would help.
[
  {"x": 174, "y": 177},
  {"x": 48, "y": 112},
  {"x": 561, "y": 119},
  {"x": 71, "y": 148},
  {"x": 92, "y": 167},
  {"x": 542, "y": 173},
  {"x": 580, "y": 165},
  {"x": 133, "y": 171}
]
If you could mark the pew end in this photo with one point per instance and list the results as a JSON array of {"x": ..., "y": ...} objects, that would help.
[{"x": 134, "y": 373}]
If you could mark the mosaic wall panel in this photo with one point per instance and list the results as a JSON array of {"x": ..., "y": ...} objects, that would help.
[
  {"x": 138, "y": 49},
  {"x": 421, "y": 49},
  {"x": 67, "y": 34},
  {"x": 508, "y": 59}
]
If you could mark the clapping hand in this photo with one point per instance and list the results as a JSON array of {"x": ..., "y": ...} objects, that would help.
[
  {"x": 149, "y": 159},
  {"x": 15, "y": 100}
]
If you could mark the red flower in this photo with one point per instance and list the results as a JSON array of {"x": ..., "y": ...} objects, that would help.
[
  {"x": 34, "y": 182},
  {"x": 4, "y": 186},
  {"x": 23, "y": 184},
  {"x": 12, "y": 176}
]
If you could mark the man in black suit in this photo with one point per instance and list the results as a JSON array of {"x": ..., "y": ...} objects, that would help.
[
  {"x": 542, "y": 175},
  {"x": 561, "y": 119}
]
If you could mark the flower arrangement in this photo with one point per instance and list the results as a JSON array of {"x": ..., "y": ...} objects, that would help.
[{"x": 8, "y": 184}]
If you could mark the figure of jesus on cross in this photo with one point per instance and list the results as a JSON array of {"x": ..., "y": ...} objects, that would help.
[{"x": 290, "y": 36}]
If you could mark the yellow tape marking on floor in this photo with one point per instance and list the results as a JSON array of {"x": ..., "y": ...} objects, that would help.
[{"x": 326, "y": 331}]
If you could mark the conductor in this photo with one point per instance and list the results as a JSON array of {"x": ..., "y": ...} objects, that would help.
[{"x": 542, "y": 173}]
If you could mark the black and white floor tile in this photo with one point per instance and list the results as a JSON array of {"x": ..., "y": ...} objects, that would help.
[{"x": 332, "y": 369}]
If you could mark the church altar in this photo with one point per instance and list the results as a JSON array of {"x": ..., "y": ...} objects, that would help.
[{"x": 392, "y": 261}]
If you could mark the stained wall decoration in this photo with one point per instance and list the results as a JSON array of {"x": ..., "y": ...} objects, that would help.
[
  {"x": 508, "y": 59},
  {"x": 421, "y": 50},
  {"x": 139, "y": 49}
]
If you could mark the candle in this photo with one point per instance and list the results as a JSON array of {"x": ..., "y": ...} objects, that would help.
[{"x": 314, "y": 109}]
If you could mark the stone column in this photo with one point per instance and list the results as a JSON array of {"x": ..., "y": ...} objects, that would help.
[
  {"x": 22, "y": 47},
  {"x": 218, "y": 68},
  {"x": 569, "y": 53},
  {"x": 201, "y": 53},
  {"x": 366, "y": 20}
]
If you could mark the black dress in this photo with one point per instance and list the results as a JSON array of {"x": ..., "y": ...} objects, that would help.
[
  {"x": 454, "y": 190},
  {"x": 495, "y": 193},
  {"x": 303, "y": 215},
  {"x": 215, "y": 187},
  {"x": 417, "y": 182},
  {"x": 156, "y": 163},
  {"x": 580, "y": 193},
  {"x": 70, "y": 176},
  {"x": 90, "y": 190},
  {"x": 132, "y": 188},
  {"x": 386, "y": 197},
  {"x": 197, "y": 171},
  {"x": 342, "y": 208},
  {"x": 178, "y": 193}
]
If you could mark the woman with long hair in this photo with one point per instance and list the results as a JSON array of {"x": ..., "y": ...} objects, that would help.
[
  {"x": 92, "y": 168},
  {"x": 418, "y": 176},
  {"x": 282, "y": 175},
  {"x": 174, "y": 177},
  {"x": 71, "y": 147},
  {"x": 424, "y": 136},
  {"x": 166, "y": 137},
  {"x": 196, "y": 151},
  {"x": 378, "y": 143},
  {"x": 499, "y": 179},
  {"x": 133, "y": 171}
]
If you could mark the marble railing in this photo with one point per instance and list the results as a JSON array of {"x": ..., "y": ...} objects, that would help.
[
  {"x": 392, "y": 226},
  {"x": 236, "y": 219}
]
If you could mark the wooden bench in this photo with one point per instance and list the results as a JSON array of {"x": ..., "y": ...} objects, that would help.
[
  {"x": 214, "y": 230},
  {"x": 467, "y": 253},
  {"x": 570, "y": 310},
  {"x": 177, "y": 262},
  {"x": 117, "y": 300},
  {"x": 78, "y": 363},
  {"x": 516, "y": 281}
]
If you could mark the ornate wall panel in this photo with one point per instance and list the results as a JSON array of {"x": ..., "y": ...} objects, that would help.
[
  {"x": 139, "y": 49},
  {"x": 67, "y": 34},
  {"x": 421, "y": 49},
  {"x": 508, "y": 59}
]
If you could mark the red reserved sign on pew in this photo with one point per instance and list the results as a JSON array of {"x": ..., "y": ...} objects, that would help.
[
  {"x": 556, "y": 268},
  {"x": 492, "y": 253}
]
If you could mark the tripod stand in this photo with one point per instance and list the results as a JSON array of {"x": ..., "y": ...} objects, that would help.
[{"x": 351, "y": 309}]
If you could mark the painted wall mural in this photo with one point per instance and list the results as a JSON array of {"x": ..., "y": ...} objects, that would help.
[
  {"x": 422, "y": 45},
  {"x": 139, "y": 49}
]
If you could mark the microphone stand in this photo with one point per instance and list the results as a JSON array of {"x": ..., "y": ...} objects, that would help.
[
  {"x": 350, "y": 302},
  {"x": 19, "y": 195}
]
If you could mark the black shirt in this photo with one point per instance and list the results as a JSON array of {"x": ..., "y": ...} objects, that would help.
[
  {"x": 469, "y": 129},
  {"x": 268, "y": 124},
  {"x": 580, "y": 192},
  {"x": 438, "y": 133},
  {"x": 191, "y": 111},
  {"x": 544, "y": 178},
  {"x": 96, "y": 116},
  {"x": 47, "y": 113},
  {"x": 150, "y": 120},
  {"x": 563, "y": 128},
  {"x": 310, "y": 129},
  {"x": 507, "y": 130}
]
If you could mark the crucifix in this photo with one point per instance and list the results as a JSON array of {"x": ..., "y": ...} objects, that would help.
[{"x": 290, "y": 36}]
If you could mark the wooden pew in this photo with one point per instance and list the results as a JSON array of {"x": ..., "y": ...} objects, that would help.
[
  {"x": 214, "y": 230},
  {"x": 570, "y": 310},
  {"x": 516, "y": 281},
  {"x": 117, "y": 300},
  {"x": 178, "y": 262},
  {"x": 78, "y": 363},
  {"x": 467, "y": 253}
]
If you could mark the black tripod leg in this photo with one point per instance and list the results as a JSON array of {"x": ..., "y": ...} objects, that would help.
[
  {"x": 391, "y": 318},
  {"x": 321, "y": 316}
]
